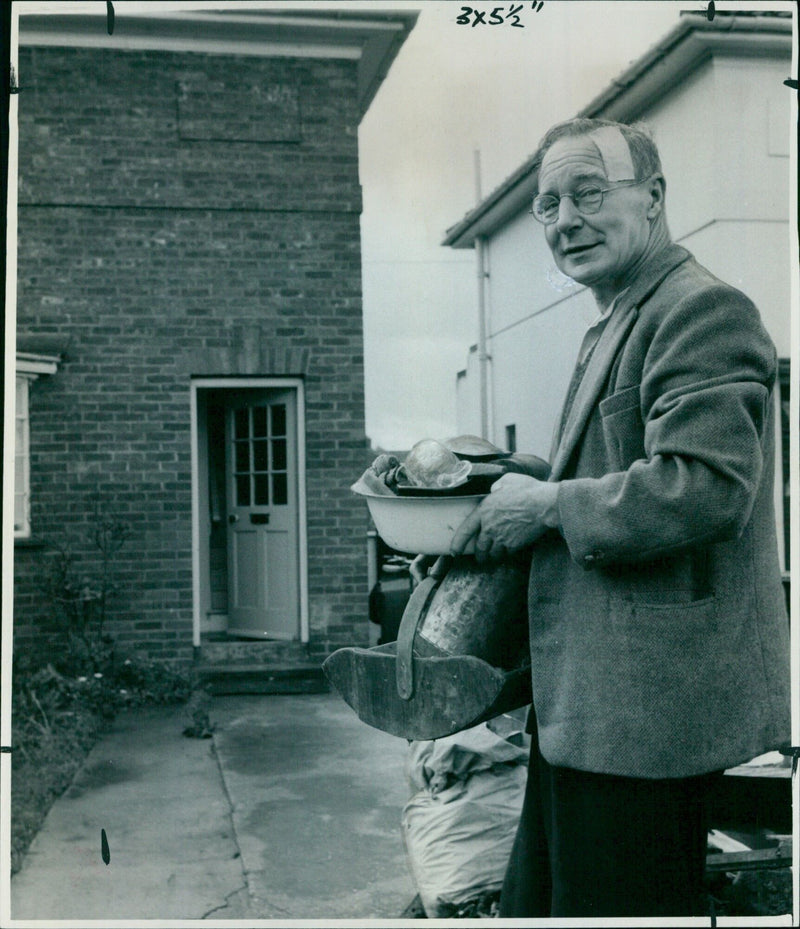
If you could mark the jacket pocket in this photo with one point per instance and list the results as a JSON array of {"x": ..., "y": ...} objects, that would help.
[
  {"x": 623, "y": 428},
  {"x": 676, "y": 630},
  {"x": 675, "y": 581}
]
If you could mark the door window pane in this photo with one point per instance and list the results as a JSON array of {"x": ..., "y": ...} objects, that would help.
[
  {"x": 243, "y": 490},
  {"x": 279, "y": 454},
  {"x": 260, "y": 455},
  {"x": 242, "y": 456},
  {"x": 261, "y": 482},
  {"x": 278, "y": 419},
  {"x": 259, "y": 421},
  {"x": 279, "y": 489}
]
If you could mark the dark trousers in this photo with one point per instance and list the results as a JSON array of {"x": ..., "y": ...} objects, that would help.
[{"x": 599, "y": 845}]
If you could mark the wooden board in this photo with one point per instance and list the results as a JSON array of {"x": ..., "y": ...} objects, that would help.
[
  {"x": 450, "y": 694},
  {"x": 753, "y": 859}
]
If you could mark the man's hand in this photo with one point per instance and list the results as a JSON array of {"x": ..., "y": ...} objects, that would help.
[{"x": 517, "y": 511}]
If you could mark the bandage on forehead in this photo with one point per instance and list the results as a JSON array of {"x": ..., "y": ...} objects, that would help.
[{"x": 615, "y": 152}]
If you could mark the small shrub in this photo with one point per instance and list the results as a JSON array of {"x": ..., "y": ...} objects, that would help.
[
  {"x": 152, "y": 681},
  {"x": 79, "y": 581}
]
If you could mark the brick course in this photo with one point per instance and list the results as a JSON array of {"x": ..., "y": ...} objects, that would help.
[{"x": 156, "y": 257}]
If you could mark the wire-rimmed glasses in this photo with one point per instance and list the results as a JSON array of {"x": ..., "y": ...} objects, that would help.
[{"x": 587, "y": 200}]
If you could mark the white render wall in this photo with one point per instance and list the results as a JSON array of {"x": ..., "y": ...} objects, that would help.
[
  {"x": 724, "y": 136},
  {"x": 752, "y": 256}
]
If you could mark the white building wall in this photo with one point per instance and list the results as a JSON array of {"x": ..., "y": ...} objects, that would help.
[
  {"x": 752, "y": 138},
  {"x": 531, "y": 364},
  {"x": 752, "y": 256},
  {"x": 468, "y": 400},
  {"x": 535, "y": 323},
  {"x": 728, "y": 180},
  {"x": 727, "y": 202},
  {"x": 683, "y": 123}
]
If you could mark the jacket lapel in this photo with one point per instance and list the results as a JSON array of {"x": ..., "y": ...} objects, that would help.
[{"x": 616, "y": 331}]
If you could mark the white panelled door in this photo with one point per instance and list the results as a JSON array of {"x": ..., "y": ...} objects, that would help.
[{"x": 263, "y": 573}]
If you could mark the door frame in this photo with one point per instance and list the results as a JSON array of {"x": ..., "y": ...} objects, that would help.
[{"x": 198, "y": 496}]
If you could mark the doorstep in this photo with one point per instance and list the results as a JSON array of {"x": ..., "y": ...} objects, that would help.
[
  {"x": 258, "y": 679},
  {"x": 230, "y": 665}
]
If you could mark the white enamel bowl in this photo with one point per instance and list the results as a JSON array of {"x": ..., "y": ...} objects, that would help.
[{"x": 421, "y": 525}]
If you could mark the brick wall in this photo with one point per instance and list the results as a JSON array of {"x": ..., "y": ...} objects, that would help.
[{"x": 179, "y": 215}]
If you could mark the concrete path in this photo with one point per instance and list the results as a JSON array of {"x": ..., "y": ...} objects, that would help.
[{"x": 291, "y": 811}]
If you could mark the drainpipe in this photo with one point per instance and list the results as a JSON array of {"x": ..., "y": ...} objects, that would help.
[{"x": 483, "y": 358}]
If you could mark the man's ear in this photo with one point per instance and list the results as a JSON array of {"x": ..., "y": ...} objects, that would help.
[{"x": 657, "y": 190}]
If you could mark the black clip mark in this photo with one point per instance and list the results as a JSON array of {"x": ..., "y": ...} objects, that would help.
[
  {"x": 105, "y": 852},
  {"x": 110, "y": 17},
  {"x": 793, "y": 752},
  {"x": 6, "y": 749},
  {"x": 711, "y": 12},
  {"x": 791, "y": 83}
]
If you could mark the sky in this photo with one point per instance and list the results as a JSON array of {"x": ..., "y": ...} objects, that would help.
[
  {"x": 457, "y": 88},
  {"x": 453, "y": 90}
]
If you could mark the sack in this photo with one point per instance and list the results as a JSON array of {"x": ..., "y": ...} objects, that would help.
[{"x": 458, "y": 827}]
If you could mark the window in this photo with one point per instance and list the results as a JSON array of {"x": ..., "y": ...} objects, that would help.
[
  {"x": 22, "y": 523},
  {"x": 511, "y": 438},
  {"x": 29, "y": 367}
]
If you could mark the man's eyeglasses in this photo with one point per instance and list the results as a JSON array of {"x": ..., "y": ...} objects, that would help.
[{"x": 587, "y": 200}]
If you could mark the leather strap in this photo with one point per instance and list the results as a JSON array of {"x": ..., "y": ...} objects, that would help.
[{"x": 412, "y": 616}]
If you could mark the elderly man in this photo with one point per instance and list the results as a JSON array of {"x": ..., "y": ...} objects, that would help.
[{"x": 659, "y": 637}]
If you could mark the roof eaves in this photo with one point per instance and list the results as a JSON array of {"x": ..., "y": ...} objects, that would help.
[
  {"x": 688, "y": 45},
  {"x": 693, "y": 40},
  {"x": 378, "y": 54},
  {"x": 373, "y": 40}
]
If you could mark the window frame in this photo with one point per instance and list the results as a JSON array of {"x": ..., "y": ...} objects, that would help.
[
  {"x": 22, "y": 458},
  {"x": 28, "y": 368}
]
